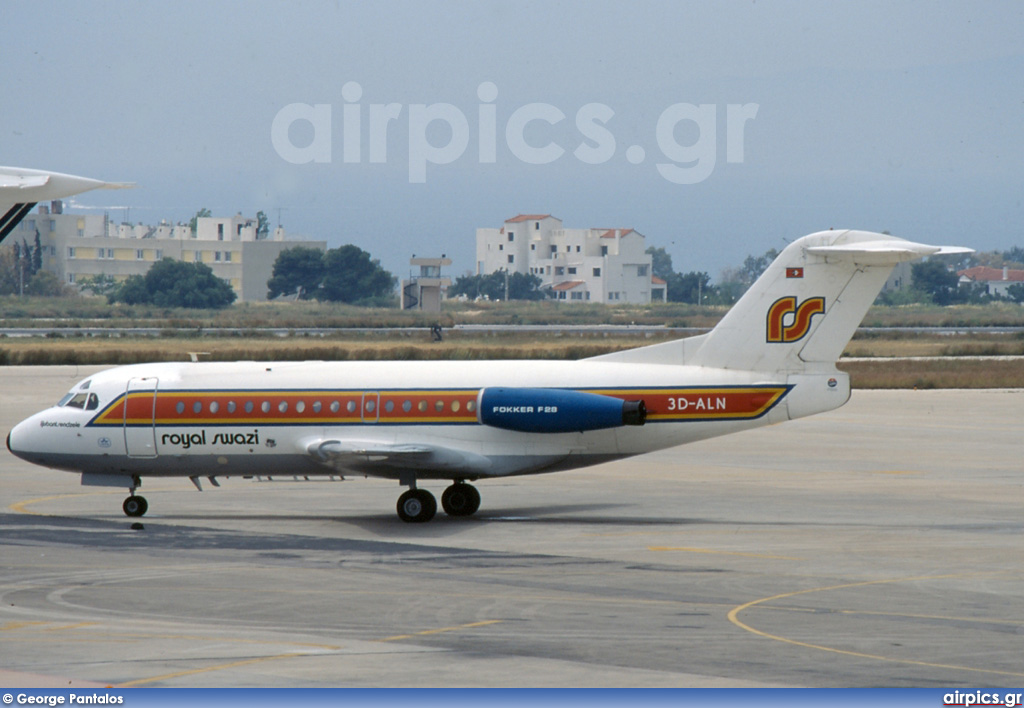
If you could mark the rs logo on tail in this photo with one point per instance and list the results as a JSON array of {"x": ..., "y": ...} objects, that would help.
[{"x": 783, "y": 330}]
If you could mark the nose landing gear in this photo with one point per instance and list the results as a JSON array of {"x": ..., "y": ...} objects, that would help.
[{"x": 135, "y": 505}]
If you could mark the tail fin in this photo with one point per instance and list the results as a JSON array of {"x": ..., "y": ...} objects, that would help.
[
  {"x": 802, "y": 311},
  {"x": 22, "y": 189}
]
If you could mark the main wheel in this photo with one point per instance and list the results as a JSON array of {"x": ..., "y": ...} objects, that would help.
[
  {"x": 460, "y": 499},
  {"x": 417, "y": 506},
  {"x": 135, "y": 506}
]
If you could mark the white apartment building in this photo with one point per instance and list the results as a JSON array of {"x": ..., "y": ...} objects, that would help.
[
  {"x": 576, "y": 265},
  {"x": 77, "y": 246}
]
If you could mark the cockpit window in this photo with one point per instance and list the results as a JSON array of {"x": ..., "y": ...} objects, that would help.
[
  {"x": 85, "y": 385},
  {"x": 85, "y": 401}
]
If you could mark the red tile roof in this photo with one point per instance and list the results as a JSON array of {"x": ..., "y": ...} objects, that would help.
[
  {"x": 657, "y": 281},
  {"x": 526, "y": 217},
  {"x": 567, "y": 285},
  {"x": 610, "y": 233},
  {"x": 983, "y": 274}
]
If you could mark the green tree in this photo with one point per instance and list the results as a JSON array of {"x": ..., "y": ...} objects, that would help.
[
  {"x": 9, "y": 275},
  {"x": 490, "y": 286},
  {"x": 201, "y": 214},
  {"x": 37, "y": 254},
  {"x": 132, "y": 291},
  {"x": 935, "y": 279},
  {"x": 171, "y": 283},
  {"x": 521, "y": 286},
  {"x": 693, "y": 287},
  {"x": 297, "y": 269},
  {"x": 263, "y": 225},
  {"x": 661, "y": 262},
  {"x": 1015, "y": 255},
  {"x": 351, "y": 275},
  {"x": 102, "y": 284},
  {"x": 1016, "y": 293},
  {"x": 754, "y": 266},
  {"x": 46, "y": 284}
]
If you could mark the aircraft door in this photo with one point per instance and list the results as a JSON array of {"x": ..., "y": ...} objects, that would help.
[
  {"x": 371, "y": 402},
  {"x": 140, "y": 417}
]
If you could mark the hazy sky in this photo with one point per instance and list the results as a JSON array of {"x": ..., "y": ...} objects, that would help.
[{"x": 898, "y": 116}]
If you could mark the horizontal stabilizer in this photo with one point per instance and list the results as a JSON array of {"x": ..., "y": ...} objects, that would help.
[{"x": 881, "y": 252}]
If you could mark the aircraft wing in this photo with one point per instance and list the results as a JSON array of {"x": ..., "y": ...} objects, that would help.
[
  {"x": 388, "y": 459},
  {"x": 21, "y": 189}
]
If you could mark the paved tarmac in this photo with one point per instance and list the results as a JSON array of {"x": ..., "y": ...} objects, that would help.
[{"x": 877, "y": 545}]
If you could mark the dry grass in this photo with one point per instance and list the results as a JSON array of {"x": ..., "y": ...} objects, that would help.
[
  {"x": 898, "y": 344},
  {"x": 83, "y": 350},
  {"x": 883, "y": 373},
  {"x": 936, "y": 373}
]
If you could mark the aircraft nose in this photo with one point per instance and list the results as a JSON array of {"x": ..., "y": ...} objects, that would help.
[
  {"x": 12, "y": 445},
  {"x": 18, "y": 440}
]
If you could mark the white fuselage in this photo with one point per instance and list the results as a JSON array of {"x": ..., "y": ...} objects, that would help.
[{"x": 253, "y": 418}]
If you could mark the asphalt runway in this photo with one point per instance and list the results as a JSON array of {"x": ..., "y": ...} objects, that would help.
[{"x": 877, "y": 545}]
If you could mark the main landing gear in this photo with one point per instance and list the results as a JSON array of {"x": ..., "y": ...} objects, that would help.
[{"x": 419, "y": 505}]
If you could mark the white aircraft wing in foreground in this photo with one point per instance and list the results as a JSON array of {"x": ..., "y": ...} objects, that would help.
[
  {"x": 771, "y": 359},
  {"x": 21, "y": 189}
]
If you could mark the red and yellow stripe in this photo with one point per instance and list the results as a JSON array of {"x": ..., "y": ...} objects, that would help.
[{"x": 398, "y": 407}]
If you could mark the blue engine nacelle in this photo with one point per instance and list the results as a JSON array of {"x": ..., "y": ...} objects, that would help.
[{"x": 555, "y": 410}]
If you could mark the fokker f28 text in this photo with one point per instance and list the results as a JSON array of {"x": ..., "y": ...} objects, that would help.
[{"x": 771, "y": 359}]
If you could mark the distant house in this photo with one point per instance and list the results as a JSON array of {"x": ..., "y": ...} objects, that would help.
[
  {"x": 996, "y": 280},
  {"x": 582, "y": 265}
]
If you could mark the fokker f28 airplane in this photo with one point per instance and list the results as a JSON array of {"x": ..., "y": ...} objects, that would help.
[{"x": 770, "y": 359}]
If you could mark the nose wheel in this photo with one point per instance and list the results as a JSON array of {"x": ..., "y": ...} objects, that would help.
[{"x": 135, "y": 506}]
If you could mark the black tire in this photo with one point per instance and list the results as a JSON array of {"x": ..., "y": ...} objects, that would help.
[
  {"x": 417, "y": 506},
  {"x": 135, "y": 506},
  {"x": 460, "y": 499}
]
